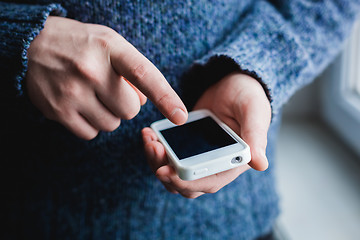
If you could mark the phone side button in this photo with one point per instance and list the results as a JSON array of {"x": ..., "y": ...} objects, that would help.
[{"x": 200, "y": 171}]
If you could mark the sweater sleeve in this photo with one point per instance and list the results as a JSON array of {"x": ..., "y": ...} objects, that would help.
[
  {"x": 19, "y": 25},
  {"x": 284, "y": 44}
]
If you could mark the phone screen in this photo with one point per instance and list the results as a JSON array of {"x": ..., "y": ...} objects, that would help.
[{"x": 197, "y": 137}]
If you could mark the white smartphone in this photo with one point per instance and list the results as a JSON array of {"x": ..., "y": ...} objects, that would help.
[{"x": 203, "y": 146}]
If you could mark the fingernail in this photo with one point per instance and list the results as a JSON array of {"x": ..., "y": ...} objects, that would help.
[{"x": 178, "y": 116}]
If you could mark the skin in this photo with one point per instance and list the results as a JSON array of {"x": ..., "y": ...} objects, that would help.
[
  {"x": 77, "y": 76},
  {"x": 240, "y": 102},
  {"x": 87, "y": 77}
]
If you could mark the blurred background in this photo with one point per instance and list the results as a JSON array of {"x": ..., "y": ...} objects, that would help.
[{"x": 318, "y": 154}]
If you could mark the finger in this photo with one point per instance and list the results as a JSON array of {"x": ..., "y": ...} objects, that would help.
[
  {"x": 166, "y": 174},
  {"x": 254, "y": 119},
  {"x": 156, "y": 157},
  {"x": 165, "y": 181},
  {"x": 142, "y": 97},
  {"x": 127, "y": 61},
  {"x": 78, "y": 125},
  {"x": 222, "y": 179},
  {"x": 119, "y": 97},
  {"x": 98, "y": 115},
  {"x": 209, "y": 184},
  {"x": 154, "y": 150},
  {"x": 192, "y": 195},
  {"x": 148, "y": 135},
  {"x": 169, "y": 188}
]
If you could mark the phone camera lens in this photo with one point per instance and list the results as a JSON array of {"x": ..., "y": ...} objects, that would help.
[{"x": 236, "y": 160}]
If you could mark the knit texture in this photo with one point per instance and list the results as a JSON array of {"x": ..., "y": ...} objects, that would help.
[
  {"x": 20, "y": 25},
  {"x": 61, "y": 187}
]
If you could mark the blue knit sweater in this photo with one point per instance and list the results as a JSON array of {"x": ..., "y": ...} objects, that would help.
[{"x": 56, "y": 186}]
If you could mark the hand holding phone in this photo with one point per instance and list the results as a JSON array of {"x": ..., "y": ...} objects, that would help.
[
  {"x": 203, "y": 146},
  {"x": 239, "y": 101}
]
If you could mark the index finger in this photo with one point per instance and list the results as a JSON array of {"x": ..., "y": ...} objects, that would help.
[{"x": 130, "y": 63}]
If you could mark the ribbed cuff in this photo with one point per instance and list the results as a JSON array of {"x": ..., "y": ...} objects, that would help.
[
  {"x": 201, "y": 76},
  {"x": 20, "y": 24}
]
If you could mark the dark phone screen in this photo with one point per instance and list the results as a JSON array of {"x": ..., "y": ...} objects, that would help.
[{"x": 196, "y": 137}]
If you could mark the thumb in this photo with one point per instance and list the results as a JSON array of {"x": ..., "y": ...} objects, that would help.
[
  {"x": 259, "y": 160},
  {"x": 254, "y": 129},
  {"x": 127, "y": 61},
  {"x": 254, "y": 125}
]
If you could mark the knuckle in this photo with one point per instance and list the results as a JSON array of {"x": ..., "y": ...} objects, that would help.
[
  {"x": 69, "y": 90},
  {"x": 84, "y": 68},
  {"x": 105, "y": 38},
  {"x": 87, "y": 68},
  {"x": 80, "y": 63},
  {"x": 140, "y": 72},
  {"x": 164, "y": 99},
  {"x": 62, "y": 114},
  {"x": 56, "y": 111},
  {"x": 103, "y": 32},
  {"x": 102, "y": 41}
]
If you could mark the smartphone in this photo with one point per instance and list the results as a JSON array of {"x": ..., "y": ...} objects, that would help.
[{"x": 202, "y": 146}]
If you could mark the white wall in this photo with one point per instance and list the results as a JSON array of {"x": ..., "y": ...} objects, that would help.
[{"x": 305, "y": 103}]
